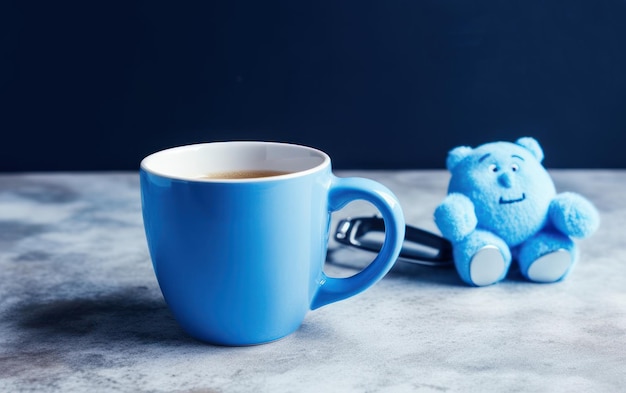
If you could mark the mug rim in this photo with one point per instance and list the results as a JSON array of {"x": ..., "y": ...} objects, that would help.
[{"x": 145, "y": 164}]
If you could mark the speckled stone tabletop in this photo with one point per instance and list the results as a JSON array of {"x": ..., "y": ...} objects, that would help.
[{"x": 80, "y": 309}]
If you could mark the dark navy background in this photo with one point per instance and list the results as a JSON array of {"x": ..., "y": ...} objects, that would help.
[{"x": 97, "y": 85}]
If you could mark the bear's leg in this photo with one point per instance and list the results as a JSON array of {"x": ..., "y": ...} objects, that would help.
[
  {"x": 482, "y": 258},
  {"x": 549, "y": 256}
]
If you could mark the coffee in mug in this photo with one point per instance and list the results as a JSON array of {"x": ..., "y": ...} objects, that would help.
[{"x": 244, "y": 174}]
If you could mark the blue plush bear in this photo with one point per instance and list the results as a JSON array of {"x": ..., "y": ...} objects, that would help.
[{"x": 501, "y": 206}]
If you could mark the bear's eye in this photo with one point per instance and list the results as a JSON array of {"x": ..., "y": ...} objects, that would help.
[
  {"x": 515, "y": 167},
  {"x": 494, "y": 168}
]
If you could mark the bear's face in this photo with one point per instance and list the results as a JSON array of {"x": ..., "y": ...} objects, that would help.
[{"x": 510, "y": 189}]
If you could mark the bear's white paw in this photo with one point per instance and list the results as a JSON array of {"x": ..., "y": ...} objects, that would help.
[
  {"x": 487, "y": 266},
  {"x": 550, "y": 267}
]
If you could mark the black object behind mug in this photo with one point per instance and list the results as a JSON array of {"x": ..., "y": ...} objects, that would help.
[{"x": 420, "y": 246}]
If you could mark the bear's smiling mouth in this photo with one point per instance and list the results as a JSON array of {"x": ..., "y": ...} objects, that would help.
[{"x": 509, "y": 201}]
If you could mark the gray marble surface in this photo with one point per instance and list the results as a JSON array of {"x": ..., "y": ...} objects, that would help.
[{"x": 80, "y": 309}]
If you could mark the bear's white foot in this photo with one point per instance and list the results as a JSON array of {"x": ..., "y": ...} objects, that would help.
[
  {"x": 550, "y": 267},
  {"x": 487, "y": 266}
]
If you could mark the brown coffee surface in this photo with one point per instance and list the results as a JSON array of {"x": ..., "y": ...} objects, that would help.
[{"x": 244, "y": 174}]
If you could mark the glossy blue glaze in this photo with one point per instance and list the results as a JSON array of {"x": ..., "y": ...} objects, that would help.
[{"x": 241, "y": 263}]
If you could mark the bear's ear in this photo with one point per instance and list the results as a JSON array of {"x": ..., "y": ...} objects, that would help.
[
  {"x": 531, "y": 145},
  {"x": 456, "y": 155}
]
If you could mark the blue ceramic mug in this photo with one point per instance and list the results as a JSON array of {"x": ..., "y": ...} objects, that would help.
[{"x": 238, "y": 232}]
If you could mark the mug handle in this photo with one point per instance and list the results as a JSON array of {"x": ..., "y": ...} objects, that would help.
[{"x": 345, "y": 190}]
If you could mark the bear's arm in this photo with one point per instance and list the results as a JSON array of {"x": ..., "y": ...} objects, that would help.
[
  {"x": 455, "y": 217},
  {"x": 574, "y": 215}
]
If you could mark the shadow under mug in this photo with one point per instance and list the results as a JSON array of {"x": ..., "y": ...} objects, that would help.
[{"x": 240, "y": 261}]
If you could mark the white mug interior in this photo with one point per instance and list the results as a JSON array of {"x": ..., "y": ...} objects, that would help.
[{"x": 195, "y": 162}]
